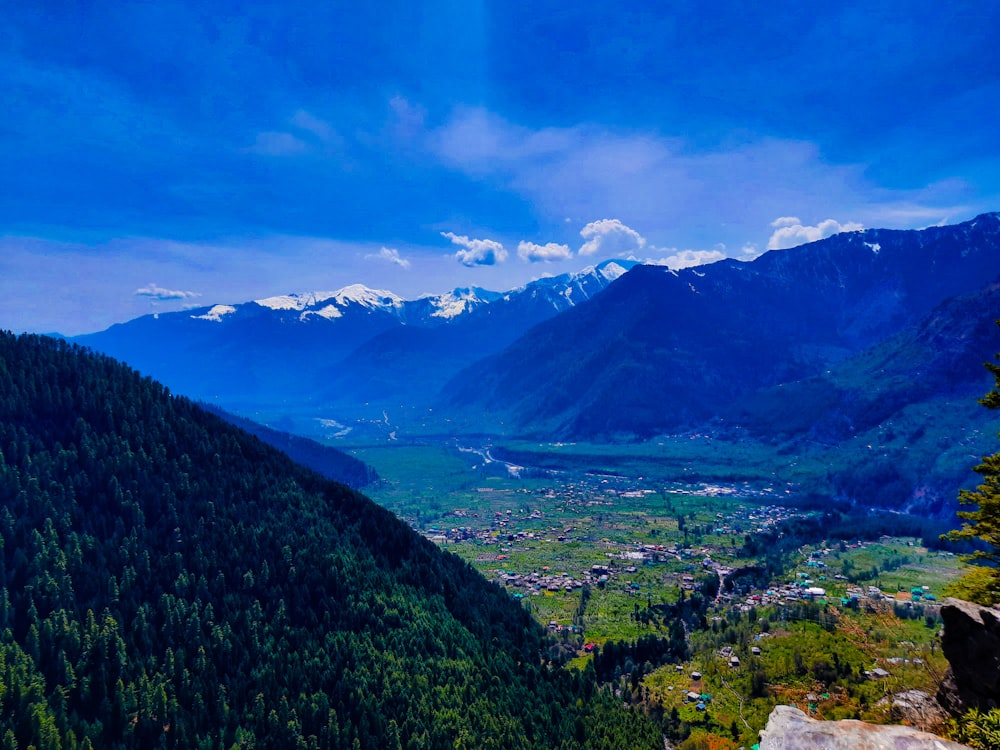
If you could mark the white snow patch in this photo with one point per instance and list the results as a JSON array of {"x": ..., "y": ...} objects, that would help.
[
  {"x": 873, "y": 246},
  {"x": 362, "y": 295},
  {"x": 453, "y": 304},
  {"x": 287, "y": 302},
  {"x": 329, "y": 312},
  {"x": 612, "y": 271},
  {"x": 215, "y": 314},
  {"x": 353, "y": 294}
]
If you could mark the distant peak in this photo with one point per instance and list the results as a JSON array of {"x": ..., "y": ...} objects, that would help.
[
  {"x": 216, "y": 313},
  {"x": 355, "y": 293},
  {"x": 607, "y": 269},
  {"x": 362, "y": 295},
  {"x": 458, "y": 301},
  {"x": 293, "y": 301},
  {"x": 612, "y": 269}
]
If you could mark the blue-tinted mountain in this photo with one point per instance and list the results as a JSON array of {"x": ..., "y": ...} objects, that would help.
[
  {"x": 351, "y": 346},
  {"x": 902, "y": 416},
  {"x": 323, "y": 459},
  {"x": 939, "y": 357},
  {"x": 663, "y": 351}
]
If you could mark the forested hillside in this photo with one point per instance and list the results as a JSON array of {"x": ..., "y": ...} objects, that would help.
[{"x": 169, "y": 581}]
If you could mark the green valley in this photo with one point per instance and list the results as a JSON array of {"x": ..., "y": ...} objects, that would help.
[{"x": 813, "y": 601}]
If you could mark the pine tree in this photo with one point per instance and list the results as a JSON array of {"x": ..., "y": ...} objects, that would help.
[{"x": 982, "y": 583}]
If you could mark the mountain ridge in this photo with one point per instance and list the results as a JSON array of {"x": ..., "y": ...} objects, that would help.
[
  {"x": 746, "y": 325},
  {"x": 344, "y": 347}
]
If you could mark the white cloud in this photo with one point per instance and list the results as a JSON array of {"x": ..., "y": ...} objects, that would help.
[
  {"x": 790, "y": 232},
  {"x": 273, "y": 143},
  {"x": 671, "y": 187},
  {"x": 688, "y": 259},
  {"x": 389, "y": 255},
  {"x": 312, "y": 124},
  {"x": 533, "y": 253},
  {"x": 786, "y": 221},
  {"x": 408, "y": 119},
  {"x": 610, "y": 237},
  {"x": 477, "y": 252},
  {"x": 155, "y": 292}
]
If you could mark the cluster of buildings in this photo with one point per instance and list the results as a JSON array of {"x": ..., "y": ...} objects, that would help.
[
  {"x": 536, "y": 582},
  {"x": 752, "y": 519},
  {"x": 540, "y": 582}
]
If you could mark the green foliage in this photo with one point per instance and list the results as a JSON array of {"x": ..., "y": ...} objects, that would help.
[
  {"x": 168, "y": 581},
  {"x": 984, "y": 522},
  {"x": 977, "y": 584},
  {"x": 978, "y": 730}
]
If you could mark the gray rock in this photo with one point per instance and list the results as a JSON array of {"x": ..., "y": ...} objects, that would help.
[
  {"x": 970, "y": 641},
  {"x": 918, "y": 709},
  {"x": 790, "y": 729}
]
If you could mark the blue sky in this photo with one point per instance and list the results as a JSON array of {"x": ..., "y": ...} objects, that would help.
[{"x": 155, "y": 156}]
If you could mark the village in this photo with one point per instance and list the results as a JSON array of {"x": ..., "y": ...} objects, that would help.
[
  {"x": 617, "y": 539},
  {"x": 601, "y": 560}
]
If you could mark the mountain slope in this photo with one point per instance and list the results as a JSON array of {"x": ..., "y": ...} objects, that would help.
[
  {"x": 900, "y": 419},
  {"x": 662, "y": 350},
  {"x": 941, "y": 355},
  {"x": 169, "y": 581}
]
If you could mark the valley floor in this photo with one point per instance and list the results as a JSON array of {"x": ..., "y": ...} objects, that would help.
[{"x": 605, "y": 558}]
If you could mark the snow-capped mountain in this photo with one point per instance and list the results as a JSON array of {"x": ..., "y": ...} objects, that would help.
[
  {"x": 331, "y": 305},
  {"x": 350, "y": 345},
  {"x": 559, "y": 292}
]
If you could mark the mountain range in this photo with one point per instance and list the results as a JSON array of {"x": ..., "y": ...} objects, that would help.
[
  {"x": 868, "y": 340},
  {"x": 663, "y": 350},
  {"x": 342, "y": 348}
]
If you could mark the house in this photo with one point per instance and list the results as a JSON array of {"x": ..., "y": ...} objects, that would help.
[{"x": 734, "y": 661}]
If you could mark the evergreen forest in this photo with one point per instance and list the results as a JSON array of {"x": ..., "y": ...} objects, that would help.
[{"x": 167, "y": 580}]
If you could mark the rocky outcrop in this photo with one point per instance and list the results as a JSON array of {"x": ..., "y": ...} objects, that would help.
[
  {"x": 790, "y": 729},
  {"x": 970, "y": 641},
  {"x": 918, "y": 709}
]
